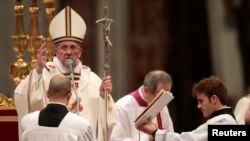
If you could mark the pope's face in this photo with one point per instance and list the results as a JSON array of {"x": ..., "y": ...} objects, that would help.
[{"x": 68, "y": 50}]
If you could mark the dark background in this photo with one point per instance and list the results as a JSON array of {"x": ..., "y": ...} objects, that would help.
[{"x": 171, "y": 35}]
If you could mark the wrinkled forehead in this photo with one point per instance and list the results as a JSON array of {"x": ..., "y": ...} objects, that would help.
[{"x": 69, "y": 43}]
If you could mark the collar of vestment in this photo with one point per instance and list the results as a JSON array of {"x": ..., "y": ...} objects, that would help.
[
  {"x": 141, "y": 102},
  {"x": 226, "y": 110},
  {"x": 52, "y": 115},
  {"x": 57, "y": 103}
]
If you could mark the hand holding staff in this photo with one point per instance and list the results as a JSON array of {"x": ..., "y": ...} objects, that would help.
[{"x": 107, "y": 80}]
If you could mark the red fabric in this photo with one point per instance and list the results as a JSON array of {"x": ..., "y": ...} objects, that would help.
[
  {"x": 8, "y": 129},
  {"x": 4, "y": 112},
  {"x": 159, "y": 121}
]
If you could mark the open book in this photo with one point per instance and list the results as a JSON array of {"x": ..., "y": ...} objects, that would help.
[{"x": 158, "y": 103}]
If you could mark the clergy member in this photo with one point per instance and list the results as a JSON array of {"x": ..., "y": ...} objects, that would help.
[
  {"x": 212, "y": 98},
  {"x": 55, "y": 122},
  {"x": 67, "y": 30}
]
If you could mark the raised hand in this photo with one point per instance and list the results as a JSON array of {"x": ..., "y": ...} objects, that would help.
[{"x": 42, "y": 55}]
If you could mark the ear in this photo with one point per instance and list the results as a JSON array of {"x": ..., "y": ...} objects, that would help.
[
  {"x": 80, "y": 52},
  {"x": 47, "y": 94},
  {"x": 55, "y": 50},
  {"x": 214, "y": 99},
  {"x": 69, "y": 95},
  {"x": 146, "y": 89}
]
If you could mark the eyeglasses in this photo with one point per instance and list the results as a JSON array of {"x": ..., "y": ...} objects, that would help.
[{"x": 64, "y": 49}]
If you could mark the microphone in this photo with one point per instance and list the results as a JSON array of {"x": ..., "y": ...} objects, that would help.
[{"x": 69, "y": 63}]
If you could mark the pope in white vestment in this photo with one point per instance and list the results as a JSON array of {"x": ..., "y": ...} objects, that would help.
[
  {"x": 87, "y": 87},
  {"x": 67, "y": 30}
]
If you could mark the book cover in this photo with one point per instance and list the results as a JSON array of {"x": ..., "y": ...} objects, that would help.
[{"x": 157, "y": 104}]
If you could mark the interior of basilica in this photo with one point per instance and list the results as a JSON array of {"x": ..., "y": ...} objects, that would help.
[{"x": 189, "y": 39}]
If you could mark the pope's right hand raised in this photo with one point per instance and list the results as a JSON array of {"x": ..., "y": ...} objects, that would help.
[{"x": 42, "y": 55}]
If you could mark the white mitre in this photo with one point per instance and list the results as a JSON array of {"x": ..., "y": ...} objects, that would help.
[{"x": 67, "y": 25}]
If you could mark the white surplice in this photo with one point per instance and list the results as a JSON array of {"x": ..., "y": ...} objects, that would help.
[
  {"x": 126, "y": 110},
  {"x": 93, "y": 105},
  {"x": 241, "y": 108},
  {"x": 71, "y": 128},
  {"x": 199, "y": 134}
]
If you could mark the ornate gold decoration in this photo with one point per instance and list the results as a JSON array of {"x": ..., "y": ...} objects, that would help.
[
  {"x": 50, "y": 12},
  {"x": 6, "y": 102},
  {"x": 21, "y": 42},
  {"x": 35, "y": 40},
  {"x": 19, "y": 69}
]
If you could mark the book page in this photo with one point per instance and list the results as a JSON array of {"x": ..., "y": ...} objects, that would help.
[{"x": 158, "y": 103}]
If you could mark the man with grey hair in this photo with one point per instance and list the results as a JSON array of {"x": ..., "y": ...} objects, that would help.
[
  {"x": 55, "y": 118},
  {"x": 129, "y": 107},
  {"x": 67, "y": 30}
]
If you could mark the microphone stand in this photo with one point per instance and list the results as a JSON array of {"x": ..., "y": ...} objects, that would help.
[
  {"x": 71, "y": 72},
  {"x": 74, "y": 89}
]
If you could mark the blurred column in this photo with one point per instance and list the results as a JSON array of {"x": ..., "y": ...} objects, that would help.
[{"x": 225, "y": 52}]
